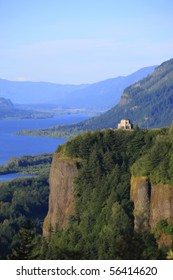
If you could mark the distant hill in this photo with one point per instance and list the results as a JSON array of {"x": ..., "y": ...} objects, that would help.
[
  {"x": 147, "y": 103},
  {"x": 105, "y": 94},
  {"x": 98, "y": 96},
  {"x": 5, "y": 104},
  {"x": 8, "y": 110}
]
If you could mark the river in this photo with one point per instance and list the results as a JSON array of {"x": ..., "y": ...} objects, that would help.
[{"x": 12, "y": 145}]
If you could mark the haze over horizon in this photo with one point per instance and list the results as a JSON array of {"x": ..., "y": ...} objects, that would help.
[{"x": 82, "y": 42}]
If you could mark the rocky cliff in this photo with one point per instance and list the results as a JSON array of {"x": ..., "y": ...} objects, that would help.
[
  {"x": 109, "y": 167},
  {"x": 61, "y": 197},
  {"x": 152, "y": 203},
  {"x": 140, "y": 195}
]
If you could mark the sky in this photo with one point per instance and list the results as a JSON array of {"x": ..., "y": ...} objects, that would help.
[{"x": 82, "y": 41}]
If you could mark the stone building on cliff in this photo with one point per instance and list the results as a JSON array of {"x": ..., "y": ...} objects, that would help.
[{"x": 125, "y": 124}]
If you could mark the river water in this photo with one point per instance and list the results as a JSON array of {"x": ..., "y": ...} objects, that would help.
[{"x": 12, "y": 145}]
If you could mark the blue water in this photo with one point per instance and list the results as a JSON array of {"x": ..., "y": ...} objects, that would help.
[
  {"x": 11, "y": 176},
  {"x": 12, "y": 145}
]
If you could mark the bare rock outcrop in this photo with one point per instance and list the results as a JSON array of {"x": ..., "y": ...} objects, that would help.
[
  {"x": 152, "y": 203},
  {"x": 161, "y": 204},
  {"x": 140, "y": 195},
  {"x": 61, "y": 197}
]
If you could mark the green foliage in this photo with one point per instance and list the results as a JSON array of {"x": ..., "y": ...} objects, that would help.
[
  {"x": 24, "y": 244},
  {"x": 35, "y": 165},
  {"x": 165, "y": 227},
  {"x": 157, "y": 161},
  {"x": 22, "y": 200}
]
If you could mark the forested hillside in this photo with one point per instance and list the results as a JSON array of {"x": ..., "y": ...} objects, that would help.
[{"x": 23, "y": 206}]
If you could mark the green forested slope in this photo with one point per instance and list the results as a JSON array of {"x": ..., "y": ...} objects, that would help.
[{"x": 157, "y": 162}]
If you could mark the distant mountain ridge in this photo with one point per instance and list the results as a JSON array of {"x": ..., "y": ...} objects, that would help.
[
  {"x": 97, "y": 96},
  {"x": 147, "y": 103}
]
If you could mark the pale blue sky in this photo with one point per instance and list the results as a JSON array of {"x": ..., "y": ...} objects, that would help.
[{"x": 84, "y": 41}]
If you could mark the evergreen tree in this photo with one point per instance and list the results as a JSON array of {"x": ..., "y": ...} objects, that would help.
[{"x": 23, "y": 249}]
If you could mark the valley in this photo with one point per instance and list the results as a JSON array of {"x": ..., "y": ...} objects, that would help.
[
  {"x": 48, "y": 98},
  {"x": 147, "y": 103},
  {"x": 106, "y": 193},
  {"x": 86, "y": 139}
]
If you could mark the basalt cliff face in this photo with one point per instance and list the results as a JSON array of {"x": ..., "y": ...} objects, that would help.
[
  {"x": 152, "y": 203},
  {"x": 61, "y": 197},
  {"x": 139, "y": 194}
]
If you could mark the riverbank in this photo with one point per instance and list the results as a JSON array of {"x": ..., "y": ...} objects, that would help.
[{"x": 26, "y": 166}]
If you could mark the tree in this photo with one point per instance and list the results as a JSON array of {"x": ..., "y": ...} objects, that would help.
[{"x": 24, "y": 247}]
